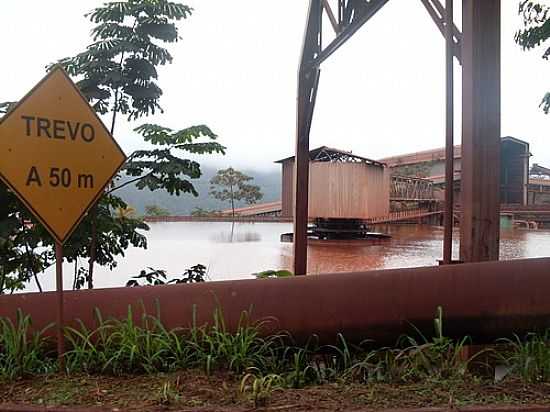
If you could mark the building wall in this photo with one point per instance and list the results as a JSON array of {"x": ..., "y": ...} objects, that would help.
[
  {"x": 513, "y": 172},
  {"x": 539, "y": 192},
  {"x": 429, "y": 169},
  {"x": 348, "y": 190},
  {"x": 340, "y": 190},
  {"x": 287, "y": 189},
  {"x": 539, "y": 198}
]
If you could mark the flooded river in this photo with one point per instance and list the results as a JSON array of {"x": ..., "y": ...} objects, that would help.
[{"x": 236, "y": 253}]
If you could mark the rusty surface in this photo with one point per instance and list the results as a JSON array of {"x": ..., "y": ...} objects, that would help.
[
  {"x": 352, "y": 16},
  {"x": 438, "y": 14},
  {"x": 308, "y": 81},
  {"x": 480, "y": 225},
  {"x": 485, "y": 300},
  {"x": 449, "y": 135}
]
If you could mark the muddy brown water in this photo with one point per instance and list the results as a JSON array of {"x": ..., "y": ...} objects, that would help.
[{"x": 236, "y": 252}]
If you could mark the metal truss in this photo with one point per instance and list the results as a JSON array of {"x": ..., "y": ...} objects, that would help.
[{"x": 349, "y": 17}]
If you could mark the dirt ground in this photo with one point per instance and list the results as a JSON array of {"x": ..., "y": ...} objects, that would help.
[{"x": 193, "y": 391}]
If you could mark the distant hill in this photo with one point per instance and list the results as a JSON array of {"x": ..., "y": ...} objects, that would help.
[{"x": 269, "y": 182}]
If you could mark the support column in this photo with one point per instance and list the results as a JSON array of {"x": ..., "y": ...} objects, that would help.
[
  {"x": 308, "y": 80},
  {"x": 449, "y": 134},
  {"x": 480, "y": 130},
  {"x": 526, "y": 177}
]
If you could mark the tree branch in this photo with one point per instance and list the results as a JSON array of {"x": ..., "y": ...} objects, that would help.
[{"x": 128, "y": 183}]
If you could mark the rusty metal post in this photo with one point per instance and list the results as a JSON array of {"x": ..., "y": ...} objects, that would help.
[
  {"x": 449, "y": 133},
  {"x": 308, "y": 80},
  {"x": 480, "y": 130},
  {"x": 59, "y": 291}
]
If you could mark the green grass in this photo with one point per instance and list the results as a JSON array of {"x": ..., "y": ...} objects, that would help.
[
  {"x": 143, "y": 345},
  {"x": 23, "y": 353},
  {"x": 528, "y": 358}
]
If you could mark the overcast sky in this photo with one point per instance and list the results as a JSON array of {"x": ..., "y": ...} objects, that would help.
[{"x": 235, "y": 70}]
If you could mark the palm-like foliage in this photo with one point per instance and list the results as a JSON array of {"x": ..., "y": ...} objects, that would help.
[
  {"x": 118, "y": 71},
  {"x": 160, "y": 168}
]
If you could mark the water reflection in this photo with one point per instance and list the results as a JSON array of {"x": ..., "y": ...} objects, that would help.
[
  {"x": 256, "y": 247},
  {"x": 233, "y": 236}
]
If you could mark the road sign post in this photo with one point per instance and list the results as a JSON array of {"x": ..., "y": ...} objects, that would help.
[
  {"x": 57, "y": 158},
  {"x": 59, "y": 290}
]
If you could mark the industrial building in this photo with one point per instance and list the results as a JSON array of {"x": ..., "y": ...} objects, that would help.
[
  {"x": 346, "y": 185},
  {"x": 342, "y": 185},
  {"x": 430, "y": 164}
]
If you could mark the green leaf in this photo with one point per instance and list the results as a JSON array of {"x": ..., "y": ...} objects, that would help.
[{"x": 158, "y": 28}]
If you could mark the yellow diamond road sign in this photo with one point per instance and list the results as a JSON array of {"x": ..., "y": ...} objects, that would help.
[{"x": 56, "y": 154}]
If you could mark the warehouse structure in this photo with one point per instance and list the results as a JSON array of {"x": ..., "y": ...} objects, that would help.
[
  {"x": 430, "y": 164},
  {"x": 342, "y": 185}
]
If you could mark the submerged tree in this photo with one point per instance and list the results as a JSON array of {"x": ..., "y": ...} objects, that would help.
[
  {"x": 117, "y": 73},
  {"x": 156, "y": 210},
  {"x": 232, "y": 185},
  {"x": 535, "y": 32}
]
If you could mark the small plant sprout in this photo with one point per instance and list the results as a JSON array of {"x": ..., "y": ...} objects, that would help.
[
  {"x": 168, "y": 394},
  {"x": 260, "y": 388}
]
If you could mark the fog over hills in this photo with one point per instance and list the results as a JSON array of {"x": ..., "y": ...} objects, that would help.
[{"x": 269, "y": 182}]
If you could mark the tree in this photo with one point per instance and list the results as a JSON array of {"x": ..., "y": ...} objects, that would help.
[
  {"x": 117, "y": 73},
  {"x": 231, "y": 185},
  {"x": 119, "y": 69},
  {"x": 156, "y": 210},
  {"x": 536, "y": 31}
]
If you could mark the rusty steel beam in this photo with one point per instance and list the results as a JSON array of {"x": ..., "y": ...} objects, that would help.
[
  {"x": 449, "y": 135},
  {"x": 308, "y": 82},
  {"x": 438, "y": 14},
  {"x": 486, "y": 300},
  {"x": 332, "y": 18},
  {"x": 480, "y": 226},
  {"x": 353, "y": 14}
]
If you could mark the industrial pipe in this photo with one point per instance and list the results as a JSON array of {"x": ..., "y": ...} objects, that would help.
[{"x": 484, "y": 300}]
